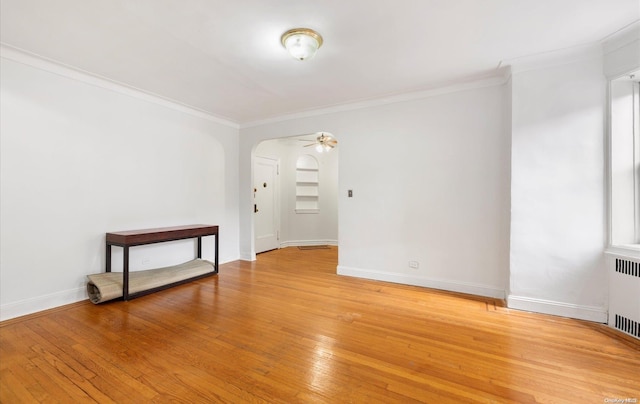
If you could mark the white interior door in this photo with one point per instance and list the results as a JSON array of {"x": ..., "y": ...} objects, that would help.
[{"x": 266, "y": 196}]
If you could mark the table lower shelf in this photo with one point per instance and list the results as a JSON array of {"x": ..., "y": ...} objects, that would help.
[{"x": 109, "y": 285}]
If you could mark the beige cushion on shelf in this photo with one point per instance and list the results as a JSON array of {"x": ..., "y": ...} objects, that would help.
[{"x": 107, "y": 286}]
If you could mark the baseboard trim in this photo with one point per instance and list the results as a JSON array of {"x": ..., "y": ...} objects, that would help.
[
  {"x": 40, "y": 303},
  {"x": 247, "y": 256},
  {"x": 581, "y": 312},
  {"x": 451, "y": 286},
  {"x": 304, "y": 243}
]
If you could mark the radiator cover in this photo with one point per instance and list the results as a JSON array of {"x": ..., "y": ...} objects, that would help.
[{"x": 624, "y": 294}]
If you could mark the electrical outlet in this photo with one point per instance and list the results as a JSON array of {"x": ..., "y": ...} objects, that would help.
[{"x": 414, "y": 264}]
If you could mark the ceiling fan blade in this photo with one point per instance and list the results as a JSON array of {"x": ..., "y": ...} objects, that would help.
[{"x": 311, "y": 144}]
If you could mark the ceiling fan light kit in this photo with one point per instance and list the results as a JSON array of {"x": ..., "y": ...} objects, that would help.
[{"x": 302, "y": 43}]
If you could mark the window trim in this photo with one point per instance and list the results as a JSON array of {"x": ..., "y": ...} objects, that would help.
[{"x": 634, "y": 247}]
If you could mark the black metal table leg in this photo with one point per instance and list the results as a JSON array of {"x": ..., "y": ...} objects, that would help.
[
  {"x": 216, "y": 256},
  {"x": 108, "y": 254},
  {"x": 125, "y": 274}
]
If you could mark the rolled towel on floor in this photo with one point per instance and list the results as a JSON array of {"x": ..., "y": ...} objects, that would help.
[{"x": 108, "y": 285}]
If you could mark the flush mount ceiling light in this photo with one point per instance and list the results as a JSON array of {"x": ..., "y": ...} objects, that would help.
[{"x": 302, "y": 43}]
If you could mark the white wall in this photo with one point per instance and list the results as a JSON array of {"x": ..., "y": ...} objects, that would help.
[
  {"x": 305, "y": 229},
  {"x": 557, "y": 187},
  {"x": 431, "y": 177},
  {"x": 430, "y": 182},
  {"x": 80, "y": 159}
]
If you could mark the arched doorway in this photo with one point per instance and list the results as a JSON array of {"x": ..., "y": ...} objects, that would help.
[{"x": 300, "y": 185}]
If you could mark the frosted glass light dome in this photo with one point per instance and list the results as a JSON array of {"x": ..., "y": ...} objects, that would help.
[{"x": 302, "y": 43}]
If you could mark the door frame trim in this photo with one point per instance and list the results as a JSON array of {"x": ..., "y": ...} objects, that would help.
[{"x": 277, "y": 200}]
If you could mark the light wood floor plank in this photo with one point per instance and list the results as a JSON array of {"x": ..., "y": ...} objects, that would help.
[{"x": 287, "y": 329}]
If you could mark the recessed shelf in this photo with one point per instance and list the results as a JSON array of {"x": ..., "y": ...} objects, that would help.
[
  {"x": 307, "y": 184},
  {"x": 307, "y": 211}
]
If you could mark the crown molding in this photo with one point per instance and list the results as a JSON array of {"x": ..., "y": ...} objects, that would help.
[
  {"x": 553, "y": 58},
  {"x": 615, "y": 41},
  {"x": 499, "y": 77},
  {"x": 622, "y": 51},
  {"x": 622, "y": 37},
  {"x": 52, "y": 66}
]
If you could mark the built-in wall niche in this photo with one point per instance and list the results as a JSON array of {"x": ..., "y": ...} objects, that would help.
[{"x": 307, "y": 184}]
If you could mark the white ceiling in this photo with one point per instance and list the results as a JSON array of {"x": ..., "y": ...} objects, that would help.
[{"x": 225, "y": 57}]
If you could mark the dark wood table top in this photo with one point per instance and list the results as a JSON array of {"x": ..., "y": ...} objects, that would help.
[{"x": 148, "y": 236}]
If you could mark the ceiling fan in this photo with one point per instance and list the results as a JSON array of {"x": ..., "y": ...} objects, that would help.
[{"x": 324, "y": 142}]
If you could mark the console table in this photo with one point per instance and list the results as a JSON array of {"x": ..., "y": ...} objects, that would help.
[{"x": 131, "y": 238}]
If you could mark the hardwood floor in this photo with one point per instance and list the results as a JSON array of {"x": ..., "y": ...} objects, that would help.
[{"x": 287, "y": 329}]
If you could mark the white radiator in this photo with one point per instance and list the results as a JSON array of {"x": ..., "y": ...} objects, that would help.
[{"x": 624, "y": 294}]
